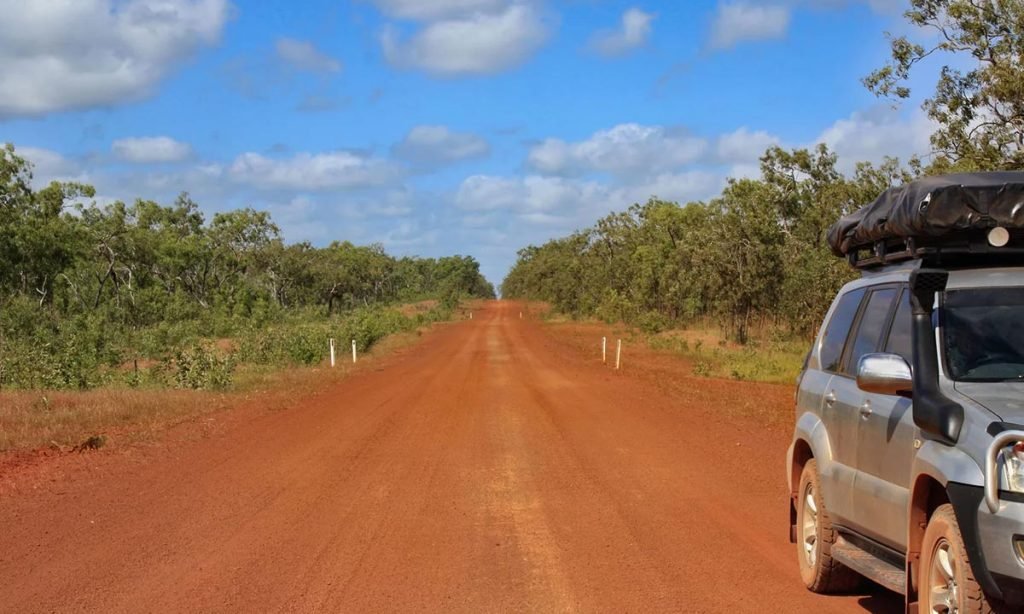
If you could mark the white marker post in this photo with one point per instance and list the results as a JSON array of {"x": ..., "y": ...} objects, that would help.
[
  {"x": 470, "y": 315},
  {"x": 604, "y": 350},
  {"x": 520, "y": 315},
  {"x": 332, "y": 352},
  {"x": 353, "y": 350},
  {"x": 618, "y": 355}
]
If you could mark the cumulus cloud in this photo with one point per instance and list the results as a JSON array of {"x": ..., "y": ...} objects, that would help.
[
  {"x": 91, "y": 53},
  {"x": 544, "y": 199},
  {"x": 432, "y": 146},
  {"x": 874, "y": 134},
  {"x": 435, "y": 9},
  {"x": 744, "y": 146},
  {"x": 305, "y": 171},
  {"x": 634, "y": 31},
  {"x": 49, "y": 165},
  {"x": 625, "y": 150},
  {"x": 737, "y": 22},
  {"x": 303, "y": 55},
  {"x": 480, "y": 43},
  {"x": 151, "y": 149}
]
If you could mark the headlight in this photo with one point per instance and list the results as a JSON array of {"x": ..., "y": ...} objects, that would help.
[{"x": 1013, "y": 462}]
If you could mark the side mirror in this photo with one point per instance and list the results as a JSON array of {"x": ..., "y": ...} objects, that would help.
[{"x": 885, "y": 374}]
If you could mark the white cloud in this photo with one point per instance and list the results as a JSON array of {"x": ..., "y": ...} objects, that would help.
[
  {"x": 625, "y": 150},
  {"x": 680, "y": 187},
  {"x": 87, "y": 53},
  {"x": 424, "y": 10},
  {"x": 540, "y": 199},
  {"x": 431, "y": 146},
  {"x": 151, "y": 149},
  {"x": 304, "y": 171},
  {"x": 872, "y": 135},
  {"x": 477, "y": 44},
  {"x": 736, "y": 22},
  {"x": 633, "y": 32},
  {"x": 49, "y": 165},
  {"x": 302, "y": 55},
  {"x": 744, "y": 146}
]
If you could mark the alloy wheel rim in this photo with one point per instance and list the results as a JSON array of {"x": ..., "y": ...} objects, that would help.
[
  {"x": 943, "y": 590},
  {"x": 809, "y": 528}
]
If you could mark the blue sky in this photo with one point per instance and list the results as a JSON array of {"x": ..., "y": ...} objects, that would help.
[{"x": 440, "y": 126}]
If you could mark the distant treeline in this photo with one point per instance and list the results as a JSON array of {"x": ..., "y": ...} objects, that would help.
[
  {"x": 102, "y": 285},
  {"x": 757, "y": 251}
]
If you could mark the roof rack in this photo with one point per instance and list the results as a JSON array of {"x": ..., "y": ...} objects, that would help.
[{"x": 965, "y": 249}]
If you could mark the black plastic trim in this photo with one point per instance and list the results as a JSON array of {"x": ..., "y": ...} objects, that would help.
[
  {"x": 966, "y": 499},
  {"x": 881, "y": 551},
  {"x": 998, "y": 427},
  {"x": 1012, "y": 588}
]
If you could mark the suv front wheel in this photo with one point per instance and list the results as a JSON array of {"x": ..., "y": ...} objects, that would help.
[
  {"x": 815, "y": 537},
  {"x": 947, "y": 582}
]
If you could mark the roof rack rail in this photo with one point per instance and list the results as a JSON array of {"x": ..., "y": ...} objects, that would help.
[{"x": 962, "y": 250}]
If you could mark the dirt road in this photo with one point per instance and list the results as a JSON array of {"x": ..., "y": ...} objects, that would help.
[{"x": 492, "y": 468}]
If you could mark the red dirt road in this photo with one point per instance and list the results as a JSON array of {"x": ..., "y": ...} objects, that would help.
[{"x": 492, "y": 468}]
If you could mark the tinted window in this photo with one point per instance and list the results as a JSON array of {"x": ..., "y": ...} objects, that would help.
[
  {"x": 872, "y": 324},
  {"x": 900, "y": 341},
  {"x": 834, "y": 339}
]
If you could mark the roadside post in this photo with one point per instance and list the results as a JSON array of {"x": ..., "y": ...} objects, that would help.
[
  {"x": 618, "y": 355},
  {"x": 353, "y": 350},
  {"x": 332, "y": 352},
  {"x": 604, "y": 350}
]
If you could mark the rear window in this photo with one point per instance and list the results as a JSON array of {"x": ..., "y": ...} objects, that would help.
[
  {"x": 900, "y": 340},
  {"x": 838, "y": 328},
  {"x": 872, "y": 324}
]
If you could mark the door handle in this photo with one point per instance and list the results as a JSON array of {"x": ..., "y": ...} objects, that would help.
[
  {"x": 830, "y": 398},
  {"x": 865, "y": 410}
]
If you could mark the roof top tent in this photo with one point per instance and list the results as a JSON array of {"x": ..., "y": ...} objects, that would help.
[{"x": 963, "y": 219}]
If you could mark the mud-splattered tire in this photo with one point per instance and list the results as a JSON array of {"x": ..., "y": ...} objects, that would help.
[
  {"x": 815, "y": 537},
  {"x": 946, "y": 581}
]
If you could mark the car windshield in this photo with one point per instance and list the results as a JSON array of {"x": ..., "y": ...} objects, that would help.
[{"x": 983, "y": 334}]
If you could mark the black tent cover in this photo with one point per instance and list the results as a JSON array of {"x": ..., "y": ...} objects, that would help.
[{"x": 934, "y": 207}]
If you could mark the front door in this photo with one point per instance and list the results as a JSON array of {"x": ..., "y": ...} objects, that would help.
[
  {"x": 855, "y": 406},
  {"x": 885, "y": 448}
]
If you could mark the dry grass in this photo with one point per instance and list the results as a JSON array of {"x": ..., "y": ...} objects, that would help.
[
  {"x": 410, "y": 310},
  {"x": 37, "y": 419},
  {"x": 31, "y": 419}
]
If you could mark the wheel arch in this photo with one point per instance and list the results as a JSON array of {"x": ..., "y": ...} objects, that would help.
[{"x": 927, "y": 494}]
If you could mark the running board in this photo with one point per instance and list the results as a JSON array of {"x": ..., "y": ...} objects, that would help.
[{"x": 869, "y": 565}]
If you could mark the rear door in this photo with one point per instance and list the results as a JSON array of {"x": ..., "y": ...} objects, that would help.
[{"x": 837, "y": 475}]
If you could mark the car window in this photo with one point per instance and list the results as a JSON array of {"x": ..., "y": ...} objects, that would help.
[
  {"x": 900, "y": 340},
  {"x": 872, "y": 324},
  {"x": 983, "y": 335},
  {"x": 834, "y": 339}
]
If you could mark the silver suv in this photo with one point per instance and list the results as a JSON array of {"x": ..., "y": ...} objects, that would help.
[{"x": 907, "y": 460}]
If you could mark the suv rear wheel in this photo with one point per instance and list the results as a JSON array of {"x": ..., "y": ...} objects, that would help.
[
  {"x": 947, "y": 582},
  {"x": 815, "y": 537}
]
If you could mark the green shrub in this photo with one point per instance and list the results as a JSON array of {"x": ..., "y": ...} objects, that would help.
[{"x": 199, "y": 367}]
